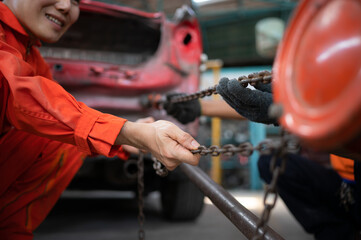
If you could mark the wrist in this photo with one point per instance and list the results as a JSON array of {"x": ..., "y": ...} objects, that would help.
[{"x": 132, "y": 134}]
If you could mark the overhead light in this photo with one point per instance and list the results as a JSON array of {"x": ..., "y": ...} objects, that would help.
[
  {"x": 201, "y": 1},
  {"x": 204, "y": 2}
]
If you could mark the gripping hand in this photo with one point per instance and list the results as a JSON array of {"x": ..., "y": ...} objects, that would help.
[
  {"x": 184, "y": 112},
  {"x": 251, "y": 104}
]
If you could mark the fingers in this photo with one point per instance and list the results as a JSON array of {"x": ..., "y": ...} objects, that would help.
[
  {"x": 222, "y": 87},
  {"x": 184, "y": 112},
  {"x": 222, "y": 90},
  {"x": 235, "y": 95},
  {"x": 174, "y": 145},
  {"x": 241, "y": 95},
  {"x": 163, "y": 139},
  {"x": 264, "y": 87},
  {"x": 184, "y": 139},
  {"x": 179, "y": 155},
  {"x": 172, "y": 109},
  {"x": 248, "y": 97},
  {"x": 251, "y": 104},
  {"x": 182, "y": 144}
]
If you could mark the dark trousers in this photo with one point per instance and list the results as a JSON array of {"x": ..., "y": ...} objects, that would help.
[{"x": 311, "y": 192}]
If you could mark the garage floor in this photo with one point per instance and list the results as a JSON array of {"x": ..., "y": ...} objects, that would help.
[{"x": 113, "y": 216}]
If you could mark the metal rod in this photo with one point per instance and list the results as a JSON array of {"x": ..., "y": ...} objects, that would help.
[{"x": 240, "y": 216}]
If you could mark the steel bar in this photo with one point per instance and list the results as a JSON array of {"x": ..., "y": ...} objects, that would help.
[{"x": 240, "y": 216}]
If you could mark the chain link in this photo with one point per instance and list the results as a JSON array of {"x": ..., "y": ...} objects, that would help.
[
  {"x": 252, "y": 79},
  {"x": 263, "y": 77},
  {"x": 200, "y": 94},
  {"x": 246, "y": 149},
  {"x": 346, "y": 195},
  {"x": 161, "y": 171},
  {"x": 271, "y": 194},
  {"x": 159, "y": 168},
  {"x": 157, "y": 101},
  {"x": 140, "y": 177}
]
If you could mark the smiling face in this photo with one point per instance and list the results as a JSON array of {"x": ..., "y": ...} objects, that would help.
[{"x": 46, "y": 20}]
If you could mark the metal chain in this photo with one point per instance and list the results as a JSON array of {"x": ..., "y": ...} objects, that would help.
[
  {"x": 287, "y": 144},
  {"x": 346, "y": 195},
  {"x": 271, "y": 194},
  {"x": 246, "y": 149},
  {"x": 200, "y": 94},
  {"x": 252, "y": 79},
  {"x": 140, "y": 176},
  {"x": 161, "y": 171},
  {"x": 159, "y": 168},
  {"x": 157, "y": 101}
]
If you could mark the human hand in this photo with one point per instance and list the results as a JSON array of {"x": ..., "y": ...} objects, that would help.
[
  {"x": 252, "y": 104},
  {"x": 163, "y": 139},
  {"x": 134, "y": 150},
  {"x": 184, "y": 112}
]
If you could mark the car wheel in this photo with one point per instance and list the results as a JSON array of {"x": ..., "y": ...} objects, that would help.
[{"x": 181, "y": 200}]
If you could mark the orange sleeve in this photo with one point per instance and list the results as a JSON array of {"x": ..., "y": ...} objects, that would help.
[
  {"x": 39, "y": 105},
  {"x": 343, "y": 166}
]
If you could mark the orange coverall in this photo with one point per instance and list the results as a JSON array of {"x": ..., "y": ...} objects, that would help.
[
  {"x": 44, "y": 133},
  {"x": 344, "y": 167}
]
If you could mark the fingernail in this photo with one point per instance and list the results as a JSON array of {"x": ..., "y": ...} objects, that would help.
[{"x": 195, "y": 144}]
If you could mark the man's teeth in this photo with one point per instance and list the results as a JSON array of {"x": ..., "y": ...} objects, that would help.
[{"x": 54, "y": 20}]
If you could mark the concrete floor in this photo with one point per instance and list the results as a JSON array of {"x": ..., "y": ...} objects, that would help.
[{"x": 111, "y": 216}]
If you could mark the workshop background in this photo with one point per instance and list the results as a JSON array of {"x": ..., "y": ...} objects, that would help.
[{"x": 241, "y": 37}]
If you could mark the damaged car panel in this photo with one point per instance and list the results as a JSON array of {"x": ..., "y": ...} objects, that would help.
[{"x": 124, "y": 52}]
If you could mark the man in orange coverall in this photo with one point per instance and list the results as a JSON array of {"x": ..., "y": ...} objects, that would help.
[{"x": 44, "y": 131}]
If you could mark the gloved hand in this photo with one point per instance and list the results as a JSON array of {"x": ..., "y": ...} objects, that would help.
[
  {"x": 251, "y": 104},
  {"x": 184, "y": 112}
]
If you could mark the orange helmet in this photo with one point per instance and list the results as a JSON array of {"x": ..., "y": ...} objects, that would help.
[{"x": 317, "y": 73}]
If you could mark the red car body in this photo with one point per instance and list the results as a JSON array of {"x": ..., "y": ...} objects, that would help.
[
  {"x": 111, "y": 57},
  {"x": 108, "y": 76}
]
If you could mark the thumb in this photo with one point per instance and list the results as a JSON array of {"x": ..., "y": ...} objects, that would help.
[
  {"x": 185, "y": 139},
  {"x": 185, "y": 143}
]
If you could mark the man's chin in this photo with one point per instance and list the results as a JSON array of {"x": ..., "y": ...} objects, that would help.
[{"x": 51, "y": 38}]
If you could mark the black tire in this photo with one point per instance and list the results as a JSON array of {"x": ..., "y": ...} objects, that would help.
[{"x": 181, "y": 200}]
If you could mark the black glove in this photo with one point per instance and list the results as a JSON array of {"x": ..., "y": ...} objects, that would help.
[
  {"x": 184, "y": 112},
  {"x": 251, "y": 104}
]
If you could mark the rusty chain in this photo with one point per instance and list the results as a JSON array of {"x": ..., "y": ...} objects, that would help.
[
  {"x": 246, "y": 149},
  {"x": 252, "y": 79},
  {"x": 140, "y": 177},
  {"x": 161, "y": 171},
  {"x": 271, "y": 194},
  {"x": 159, "y": 168},
  {"x": 157, "y": 101}
]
